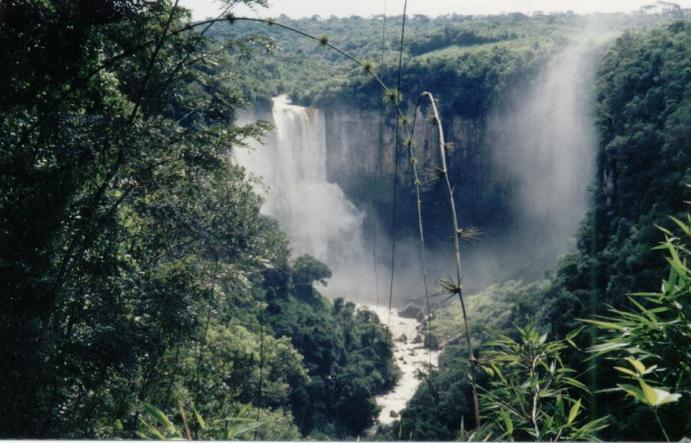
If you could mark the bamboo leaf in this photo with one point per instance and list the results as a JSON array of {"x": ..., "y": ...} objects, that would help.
[
  {"x": 573, "y": 413},
  {"x": 200, "y": 420},
  {"x": 637, "y": 365},
  {"x": 625, "y": 371},
  {"x": 634, "y": 392},
  {"x": 159, "y": 416},
  {"x": 575, "y": 383},
  {"x": 508, "y": 424},
  {"x": 235, "y": 432},
  {"x": 604, "y": 324},
  {"x": 684, "y": 227},
  {"x": 657, "y": 397},
  {"x": 151, "y": 431}
]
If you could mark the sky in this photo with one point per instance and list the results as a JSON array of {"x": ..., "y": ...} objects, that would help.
[{"x": 365, "y": 8}]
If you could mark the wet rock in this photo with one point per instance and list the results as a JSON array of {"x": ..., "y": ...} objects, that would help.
[
  {"x": 393, "y": 414},
  {"x": 456, "y": 340},
  {"x": 417, "y": 339},
  {"x": 411, "y": 311},
  {"x": 431, "y": 341},
  {"x": 403, "y": 338}
]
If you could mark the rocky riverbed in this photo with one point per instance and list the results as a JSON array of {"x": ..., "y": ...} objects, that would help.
[{"x": 410, "y": 355}]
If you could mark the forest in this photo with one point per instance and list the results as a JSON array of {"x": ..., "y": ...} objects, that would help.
[{"x": 157, "y": 284}]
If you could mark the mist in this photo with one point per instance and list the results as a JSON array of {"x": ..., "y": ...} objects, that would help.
[
  {"x": 542, "y": 142},
  {"x": 316, "y": 214},
  {"x": 543, "y": 146}
]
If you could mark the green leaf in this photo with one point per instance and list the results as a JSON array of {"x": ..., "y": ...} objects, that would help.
[
  {"x": 596, "y": 425},
  {"x": 560, "y": 405},
  {"x": 604, "y": 324},
  {"x": 608, "y": 347},
  {"x": 200, "y": 420},
  {"x": 637, "y": 365},
  {"x": 573, "y": 334},
  {"x": 648, "y": 392},
  {"x": 508, "y": 424},
  {"x": 235, "y": 432},
  {"x": 144, "y": 436},
  {"x": 498, "y": 372},
  {"x": 573, "y": 413},
  {"x": 151, "y": 432},
  {"x": 626, "y": 371},
  {"x": 657, "y": 397},
  {"x": 634, "y": 392},
  {"x": 575, "y": 383},
  {"x": 159, "y": 416},
  {"x": 543, "y": 338},
  {"x": 684, "y": 227}
]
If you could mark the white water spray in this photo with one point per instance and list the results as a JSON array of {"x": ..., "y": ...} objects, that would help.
[
  {"x": 315, "y": 213},
  {"x": 545, "y": 147}
]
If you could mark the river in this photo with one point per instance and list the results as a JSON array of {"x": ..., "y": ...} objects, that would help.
[{"x": 410, "y": 357}]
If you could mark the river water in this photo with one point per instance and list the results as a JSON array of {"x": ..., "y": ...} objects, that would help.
[
  {"x": 410, "y": 357},
  {"x": 324, "y": 223}
]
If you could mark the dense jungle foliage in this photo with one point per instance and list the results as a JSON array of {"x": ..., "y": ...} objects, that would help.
[
  {"x": 472, "y": 64},
  {"x": 144, "y": 294},
  {"x": 135, "y": 265},
  {"x": 644, "y": 122}
]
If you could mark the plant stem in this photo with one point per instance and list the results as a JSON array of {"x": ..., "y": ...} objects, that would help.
[
  {"x": 659, "y": 422},
  {"x": 184, "y": 420},
  {"x": 397, "y": 139},
  {"x": 457, "y": 251},
  {"x": 421, "y": 230}
]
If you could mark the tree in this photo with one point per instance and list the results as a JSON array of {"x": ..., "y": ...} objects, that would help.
[{"x": 123, "y": 224}]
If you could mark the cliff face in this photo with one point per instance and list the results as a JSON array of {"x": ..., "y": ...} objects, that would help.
[
  {"x": 360, "y": 143},
  {"x": 360, "y": 158},
  {"x": 354, "y": 137},
  {"x": 520, "y": 167}
]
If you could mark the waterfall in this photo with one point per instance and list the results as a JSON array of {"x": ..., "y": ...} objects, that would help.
[
  {"x": 544, "y": 147},
  {"x": 315, "y": 213}
]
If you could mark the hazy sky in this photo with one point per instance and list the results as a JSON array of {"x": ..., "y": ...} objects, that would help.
[{"x": 365, "y": 8}]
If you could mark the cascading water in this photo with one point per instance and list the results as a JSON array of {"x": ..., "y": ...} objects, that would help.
[
  {"x": 543, "y": 143},
  {"x": 325, "y": 224},
  {"x": 544, "y": 146},
  {"x": 315, "y": 213}
]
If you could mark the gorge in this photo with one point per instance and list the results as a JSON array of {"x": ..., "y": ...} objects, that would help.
[
  {"x": 324, "y": 175},
  {"x": 329, "y": 181},
  {"x": 198, "y": 219}
]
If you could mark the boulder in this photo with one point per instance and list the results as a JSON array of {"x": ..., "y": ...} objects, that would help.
[
  {"x": 433, "y": 340},
  {"x": 411, "y": 311}
]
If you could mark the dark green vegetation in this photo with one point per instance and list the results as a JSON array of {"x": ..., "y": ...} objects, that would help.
[
  {"x": 644, "y": 122},
  {"x": 136, "y": 268},
  {"x": 135, "y": 265},
  {"x": 467, "y": 74},
  {"x": 471, "y": 64}
]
